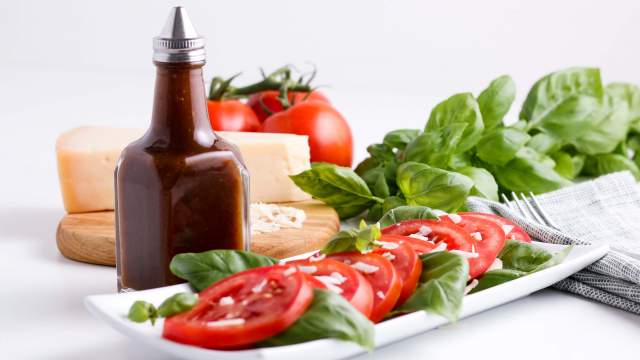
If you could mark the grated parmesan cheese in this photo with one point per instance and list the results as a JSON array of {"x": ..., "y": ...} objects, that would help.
[
  {"x": 308, "y": 269},
  {"x": 419, "y": 237},
  {"x": 332, "y": 281},
  {"x": 495, "y": 265},
  {"x": 476, "y": 235},
  {"x": 471, "y": 286},
  {"x": 386, "y": 245},
  {"x": 424, "y": 230},
  {"x": 455, "y": 218},
  {"x": 256, "y": 289},
  {"x": 290, "y": 271},
  {"x": 226, "y": 322},
  {"x": 227, "y": 300},
  {"x": 380, "y": 294},
  {"x": 507, "y": 229},
  {"x": 439, "y": 213},
  {"x": 365, "y": 268},
  {"x": 465, "y": 254},
  {"x": 267, "y": 218},
  {"x": 442, "y": 246},
  {"x": 389, "y": 256}
]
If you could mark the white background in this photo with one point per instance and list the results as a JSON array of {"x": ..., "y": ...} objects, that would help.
[{"x": 382, "y": 63}]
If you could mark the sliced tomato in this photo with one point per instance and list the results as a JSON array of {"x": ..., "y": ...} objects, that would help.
[
  {"x": 349, "y": 283},
  {"x": 315, "y": 283},
  {"x": 438, "y": 231},
  {"x": 258, "y": 303},
  {"x": 382, "y": 276},
  {"x": 512, "y": 230},
  {"x": 406, "y": 262},
  {"x": 419, "y": 246},
  {"x": 489, "y": 241}
]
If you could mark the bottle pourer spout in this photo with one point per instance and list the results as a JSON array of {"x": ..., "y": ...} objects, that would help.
[{"x": 178, "y": 41}]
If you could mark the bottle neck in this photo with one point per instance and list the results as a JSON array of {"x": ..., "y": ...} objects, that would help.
[{"x": 180, "y": 116}]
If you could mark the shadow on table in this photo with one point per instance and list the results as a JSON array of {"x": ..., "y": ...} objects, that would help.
[{"x": 35, "y": 225}]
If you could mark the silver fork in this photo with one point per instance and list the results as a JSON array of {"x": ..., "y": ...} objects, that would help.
[{"x": 530, "y": 208}]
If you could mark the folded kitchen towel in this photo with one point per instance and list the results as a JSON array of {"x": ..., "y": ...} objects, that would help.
[{"x": 604, "y": 210}]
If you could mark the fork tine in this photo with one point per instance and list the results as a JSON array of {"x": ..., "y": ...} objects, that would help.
[
  {"x": 524, "y": 212},
  {"x": 532, "y": 210},
  {"x": 543, "y": 214},
  {"x": 507, "y": 201}
]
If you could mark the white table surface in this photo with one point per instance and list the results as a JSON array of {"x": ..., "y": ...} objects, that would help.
[{"x": 41, "y": 310}]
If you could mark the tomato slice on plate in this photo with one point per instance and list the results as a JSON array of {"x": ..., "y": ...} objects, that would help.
[
  {"x": 382, "y": 276},
  {"x": 512, "y": 230},
  {"x": 489, "y": 242},
  {"x": 406, "y": 262},
  {"x": 242, "y": 309},
  {"x": 436, "y": 231},
  {"x": 341, "y": 278},
  {"x": 418, "y": 246}
]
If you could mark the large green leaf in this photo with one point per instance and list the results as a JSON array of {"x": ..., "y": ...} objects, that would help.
[
  {"x": 563, "y": 103},
  {"x": 458, "y": 109},
  {"x": 484, "y": 184},
  {"x": 499, "y": 146},
  {"x": 400, "y": 138},
  {"x": 402, "y": 213},
  {"x": 353, "y": 240},
  {"x": 339, "y": 187},
  {"x": 436, "y": 188},
  {"x": 609, "y": 128},
  {"x": 495, "y": 101},
  {"x": 205, "y": 268},
  {"x": 628, "y": 94},
  {"x": 435, "y": 147},
  {"x": 328, "y": 316},
  {"x": 442, "y": 283},
  {"x": 528, "y": 171},
  {"x": 526, "y": 257},
  {"x": 609, "y": 163}
]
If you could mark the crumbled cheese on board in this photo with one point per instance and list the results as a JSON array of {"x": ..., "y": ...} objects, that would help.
[{"x": 267, "y": 218}]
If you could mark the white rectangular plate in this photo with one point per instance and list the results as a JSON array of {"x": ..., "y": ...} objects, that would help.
[{"x": 113, "y": 309}]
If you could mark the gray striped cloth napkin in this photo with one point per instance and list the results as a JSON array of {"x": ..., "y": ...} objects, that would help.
[{"x": 604, "y": 210}]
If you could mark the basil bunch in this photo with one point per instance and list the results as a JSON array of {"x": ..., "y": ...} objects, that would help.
[{"x": 570, "y": 125}]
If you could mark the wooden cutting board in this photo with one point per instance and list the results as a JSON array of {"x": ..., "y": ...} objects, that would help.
[{"x": 90, "y": 237}]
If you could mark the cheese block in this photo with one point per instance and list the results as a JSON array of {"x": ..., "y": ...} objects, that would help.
[
  {"x": 87, "y": 158},
  {"x": 270, "y": 159}
]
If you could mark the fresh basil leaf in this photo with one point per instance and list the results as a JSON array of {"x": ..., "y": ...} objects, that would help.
[
  {"x": 353, "y": 240},
  {"x": 565, "y": 164},
  {"x": 328, "y": 316},
  {"x": 402, "y": 213},
  {"x": 442, "y": 283},
  {"x": 400, "y": 138},
  {"x": 529, "y": 172},
  {"x": 366, "y": 165},
  {"x": 381, "y": 152},
  {"x": 436, "y": 147},
  {"x": 496, "y": 277},
  {"x": 439, "y": 189},
  {"x": 142, "y": 311},
  {"x": 205, "y": 268},
  {"x": 630, "y": 95},
  {"x": 339, "y": 187},
  {"x": 375, "y": 213},
  {"x": 484, "y": 184},
  {"x": 377, "y": 181},
  {"x": 562, "y": 103},
  {"x": 520, "y": 256},
  {"x": 544, "y": 143},
  {"x": 177, "y": 304},
  {"x": 609, "y": 163},
  {"x": 460, "y": 160},
  {"x": 501, "y": 145},
  {"x": 609, "y": 127},
  {"x": 458, "y": 109},
  {"x": 495, "y": 101},
  {"x": 392, "y": 202}
]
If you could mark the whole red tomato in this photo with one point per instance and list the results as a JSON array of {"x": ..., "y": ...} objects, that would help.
[
  {"x": 270, "y": 100},
  {"x": 329, "y": 134},
  {"x": 232, "y": 115}
]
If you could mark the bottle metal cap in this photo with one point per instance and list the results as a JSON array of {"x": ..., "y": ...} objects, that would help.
[{"x": 178, "y": 41}]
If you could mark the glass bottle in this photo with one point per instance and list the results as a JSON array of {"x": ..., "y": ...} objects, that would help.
[{"x": 180, "y": 188}]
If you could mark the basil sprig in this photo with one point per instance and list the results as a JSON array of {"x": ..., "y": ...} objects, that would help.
[{"x": 141, "y": 311}]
